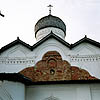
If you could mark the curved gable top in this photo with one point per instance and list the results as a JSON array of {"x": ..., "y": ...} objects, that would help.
[
  {"x": 51, "y": 35},
  {"x": 86, "y": 40},
  {"x": 17, "y": 41}
]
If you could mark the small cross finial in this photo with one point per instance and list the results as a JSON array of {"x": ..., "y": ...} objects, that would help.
[{"x": 50, "y": 9}]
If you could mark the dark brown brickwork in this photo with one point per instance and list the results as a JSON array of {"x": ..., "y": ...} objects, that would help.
[{"x": 53, "y": 68}]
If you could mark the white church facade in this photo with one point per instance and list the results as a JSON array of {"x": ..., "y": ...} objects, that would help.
[{"x": 51, "y": 69}]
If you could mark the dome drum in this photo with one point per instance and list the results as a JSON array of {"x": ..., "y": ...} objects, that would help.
[{"x": 50, "y": 21}]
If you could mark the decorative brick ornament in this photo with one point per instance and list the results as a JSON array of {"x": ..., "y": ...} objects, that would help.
[{"x": 53, "y": 68}]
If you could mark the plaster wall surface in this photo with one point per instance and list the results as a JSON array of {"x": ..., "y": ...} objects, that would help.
[
  {"x": 12, "y": 91},
  {"x": 64, "y": 92},
  {"x": 15, "y": 59},
  {"x": 11, "y": 61},
  {"x": 85, "y": 56},
  {"x": 95, "y": 92},
  {"x": 43, "y": 32}
]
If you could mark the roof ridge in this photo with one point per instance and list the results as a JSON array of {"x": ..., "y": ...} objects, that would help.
[
  {"x": 13, "y": 43},
  {"x": 51, "y": 34}
]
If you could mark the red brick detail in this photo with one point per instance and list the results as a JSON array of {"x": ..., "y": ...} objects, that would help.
[{"x": 53, "y": 68}]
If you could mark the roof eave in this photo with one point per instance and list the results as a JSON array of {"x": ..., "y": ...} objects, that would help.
[
  {"x": 17, "y": 77},
  {"x": 51, "y": 35},
  {"x": 17, "y": 41},
  {"x": 85, "y": 40}
]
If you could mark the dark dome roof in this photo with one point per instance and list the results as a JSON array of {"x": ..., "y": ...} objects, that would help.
[{"x": 50, "y": 21}]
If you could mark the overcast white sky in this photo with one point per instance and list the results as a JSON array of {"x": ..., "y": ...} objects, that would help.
[{"x": 82, "y": 17}]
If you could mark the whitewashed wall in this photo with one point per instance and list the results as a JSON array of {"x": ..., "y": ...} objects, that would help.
[
  {"x": 17, "y": 91},
  {"x": 16, "y": 59},
  {"x": 43, "y": 32},
  {"x": 84, "y": 56},
  {"x": 12, "y": 91},
  {"x": 64, "y": 92}
]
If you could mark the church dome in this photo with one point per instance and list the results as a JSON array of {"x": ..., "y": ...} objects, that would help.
[{"x": 50, "y": 21}]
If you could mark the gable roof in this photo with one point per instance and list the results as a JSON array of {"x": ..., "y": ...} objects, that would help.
[
  {"x": 17, "y": 41},
  {"x": 50, "y": 35},
  {"x": 85, "y": 40}
]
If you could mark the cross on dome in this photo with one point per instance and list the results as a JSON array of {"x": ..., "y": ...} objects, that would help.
[{"x": 50, "y": 9}]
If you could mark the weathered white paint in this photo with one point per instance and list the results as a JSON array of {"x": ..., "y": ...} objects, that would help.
[
  {"x": 43, "y": 32},
  {"x": 85, "y": 56},
  {"x": 64, "y": 92},
  {"x": 95, "y": 92},
  {"x": 12, "y": 91},
  {"x": 17, "y": 91},
  {"x": 15, "y": 59}
]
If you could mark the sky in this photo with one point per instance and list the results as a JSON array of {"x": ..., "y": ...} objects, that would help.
[{"x": 82, "y": 17}]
